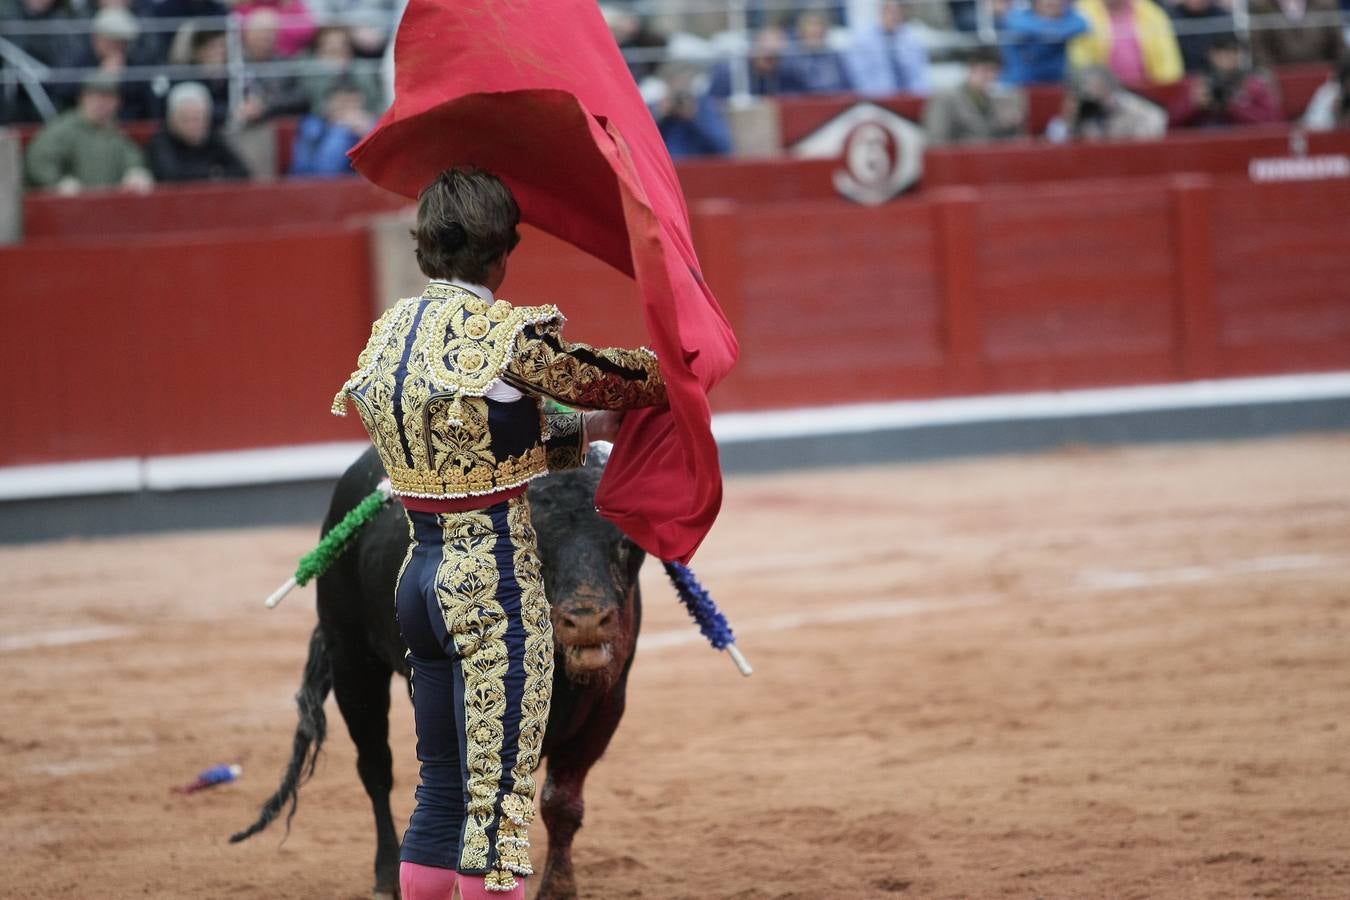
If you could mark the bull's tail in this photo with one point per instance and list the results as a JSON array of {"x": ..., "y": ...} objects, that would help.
[{"x": 309, "y": 736}]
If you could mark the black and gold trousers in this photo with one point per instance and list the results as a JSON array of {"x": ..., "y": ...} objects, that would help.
[{"x": 473, "y": 615}]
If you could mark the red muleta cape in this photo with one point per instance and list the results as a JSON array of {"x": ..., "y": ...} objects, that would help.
[{"x": 538, "y": 93}]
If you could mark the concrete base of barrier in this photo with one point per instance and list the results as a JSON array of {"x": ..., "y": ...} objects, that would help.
[
  {"x": 750, "y": 442},
  {"x": 285, "y": 503},
  {"x": 937, "y": 441}
]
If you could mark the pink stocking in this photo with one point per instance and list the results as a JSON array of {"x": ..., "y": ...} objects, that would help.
[{"x": 419, "y": 882}]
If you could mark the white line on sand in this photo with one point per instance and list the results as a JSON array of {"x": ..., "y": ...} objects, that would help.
[
  {"x": 853, "y": 612},
  {"x": 1089, "y": 580},
  {"x": 871, "y": 610},
  {"x": 1126, "y": 579},
  {"x": 62, "y": 637}
]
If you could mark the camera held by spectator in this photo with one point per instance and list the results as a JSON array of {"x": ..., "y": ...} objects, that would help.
[
  {"x": 322, "y": 141},
  {"x": 690, "y": 121},
  {"x": 1097, "y": 108},
  {"x": 1230, "y": 93}
]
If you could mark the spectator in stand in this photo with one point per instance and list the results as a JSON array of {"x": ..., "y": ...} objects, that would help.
[
  {"x": 371, "y": 22},
  {"x": 965, "y": 15},
  {"x": 761, "y": 13},
  {"x": 978, "y": 109},
  {"x": 56, "y": 48},
  {"x": 1287, "y": 32},
  {"x": 1133, "y": 38},
  {"x": 190, "y": 9},
  {"x": 1197, "y": 24},
  {"x": 188, "y": 148},
  {"x": 168, "y": 41},
  {"x": 335, "y": 53},
  {"x": 769, "y": 75},
  {"x": 1036, "y": 40},
  {"x": 83, "y": 148},
  {"x": 818, "y": 67},
  {"x": 690, "y": 120},
  {"x": 291, "y": 19},
  {"x": 207, "y": 49},
  {"x": 322, "y": 142},
  {"x": 1230, "y": 93},
  {"x": 112, "y": 34},
  {"x": 635, "y": 36},
  {"x": 1330, "y": 106},
  {"x": 53, "y": 48},
  {"x": 267, "y": 95},
  {"x": 1097, "y": 108},
  {"x": 888, "y": 57},
  {"x": 149, "y": 48}
]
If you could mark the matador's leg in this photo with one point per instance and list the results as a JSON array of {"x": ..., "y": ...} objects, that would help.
[{"x": 497, "y": 614}]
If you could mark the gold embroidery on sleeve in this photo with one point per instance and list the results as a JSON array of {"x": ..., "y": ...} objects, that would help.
[{"x": 560, "y": 372}]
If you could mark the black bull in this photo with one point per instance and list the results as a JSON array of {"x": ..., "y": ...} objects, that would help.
[{"x": 591, "y": 579}]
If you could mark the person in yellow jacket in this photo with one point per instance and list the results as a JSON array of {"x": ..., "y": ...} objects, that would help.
[{"x": 1132, "y": 38}]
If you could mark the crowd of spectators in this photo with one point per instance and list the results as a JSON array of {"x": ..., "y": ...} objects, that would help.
[
  {"x": 212, "y": 70},
  {"x": 101, "y": 62},
  {"x": 1103, "y": 52}
]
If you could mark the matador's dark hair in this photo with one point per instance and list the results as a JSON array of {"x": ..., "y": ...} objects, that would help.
[{"x": 466, "y": 221}]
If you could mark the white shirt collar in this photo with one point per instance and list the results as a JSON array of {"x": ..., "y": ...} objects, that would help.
[{"x": 471, "y": 288}]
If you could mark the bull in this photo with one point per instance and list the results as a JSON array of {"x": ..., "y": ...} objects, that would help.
[{"x": 591, "y": 579}]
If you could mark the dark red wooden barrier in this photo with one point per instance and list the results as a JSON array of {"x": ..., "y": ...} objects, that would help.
[
  {"x": 175, "y": 209},
  {"x": 151, "y": 345},
  {"x": 1069, "y": 285},
  {"x": 174, "y": 339}
]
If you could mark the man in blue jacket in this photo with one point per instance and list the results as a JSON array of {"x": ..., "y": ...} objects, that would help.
[
  {"x": 690, "y": 120},
  {"x": 322, "y": 142},
  {"x": 1035, "y": 41},
  {"x": 888, "y": 57}
]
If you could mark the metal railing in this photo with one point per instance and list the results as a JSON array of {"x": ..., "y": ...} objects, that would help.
[{"x": 22, "y": 72}]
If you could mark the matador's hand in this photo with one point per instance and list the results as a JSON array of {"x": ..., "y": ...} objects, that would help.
[{"x": 603, "y": 425}]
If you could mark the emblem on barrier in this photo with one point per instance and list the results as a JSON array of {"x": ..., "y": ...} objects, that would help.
[{"x": 881, "y": 152}]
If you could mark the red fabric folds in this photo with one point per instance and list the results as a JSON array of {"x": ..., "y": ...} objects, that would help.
[{"x": 538, "y": 93}]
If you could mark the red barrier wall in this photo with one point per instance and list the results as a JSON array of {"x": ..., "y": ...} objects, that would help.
[
  {"x": 1041, "y": 287},
  {"x": 1281, "y": 263},
  {"x": 177, "y": 209},
  {"x": 154, "y": 339},
  {"x": 168, "y": 345}
]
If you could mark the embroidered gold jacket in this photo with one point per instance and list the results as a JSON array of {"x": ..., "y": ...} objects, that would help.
[{"x": 421, "y": 387}]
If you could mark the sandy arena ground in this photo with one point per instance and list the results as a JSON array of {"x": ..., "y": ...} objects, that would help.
[{"x": 1114, "y": 674}]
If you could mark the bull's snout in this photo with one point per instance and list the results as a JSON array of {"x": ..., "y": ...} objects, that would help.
[
  {"x": 586, "y": 626},
  {"x": 585, "y": 633}
]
